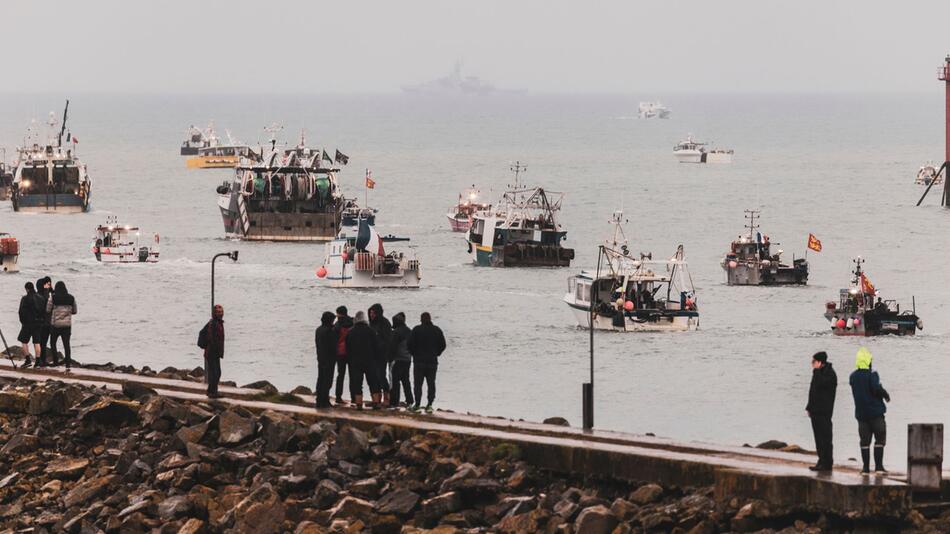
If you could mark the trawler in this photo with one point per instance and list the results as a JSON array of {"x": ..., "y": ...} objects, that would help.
[
  {"x": 9, "y": 253},
  {"x": 692, "y": 151},
  {"x": 650, "y": 110},
  {"x": 751, "y": 261},
  {"x": 353, "y": 214},
  {"x": 6, "y": 180},
  {"x": 50, "y": 178},
  {"x": 115, "y": 243},
  {"x": 218, "y": 156},
  {"x": 284, "y": 197},
  {"x": 358, "y": 259},
  {"x": 857, "y": 314},
  {"x": 629, "y": 293},
  {"x": 460, "y": 215},
  {"x": 197, "y": 139}
]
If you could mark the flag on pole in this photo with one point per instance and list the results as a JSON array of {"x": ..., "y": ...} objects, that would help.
[
  {"x": 367, "y": 240},
  {"x": 814, "y": 243},
  {"x": 867, "y": 286},
  {"x": 341, "y": 158},
  {"x": 326, "y": 157},
  {"x": 370, "y": 183},
  {"x": 75, "y": 140}
]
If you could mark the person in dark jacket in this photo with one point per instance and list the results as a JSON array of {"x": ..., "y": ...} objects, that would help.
[
  {"x": 426, "y": 344},
  {"x": 361, "y": 349},
  {"x": 821, "y": 405},
  {"x": 401, "y": 360},
  {"x": 384, "y": 332},
  {"x": 61, "y": 307},
  {"x": 325, "y": 341},
  {"x": 28, "y": 333},
  {"x": 43, "y": 290},
  {"x": 869, "y": 396},
  {"x": 342, "y": 327},
  {"x": 214, "y": 352}
]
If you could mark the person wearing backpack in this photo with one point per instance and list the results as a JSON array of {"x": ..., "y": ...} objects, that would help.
[
  {"x": 869, "y": 396},
  {"x": 211, "y": 339},
  {"x": 342, "y": 327},
  {"x": 61, "y": 307}
]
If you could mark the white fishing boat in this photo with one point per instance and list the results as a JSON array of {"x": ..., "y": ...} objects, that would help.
[
  {"x": 359, "y": 260},
  {"x": 689, "y": 151},
  {"x": 197, "y": 139},
  {"x": 9, "y": 253},
  {"x": 115, "y": 243},
  {"x": 927, "y": 174},
  {"x": 633, "y": 294},
  {"x": 651, "y": 110},
  {"x": 461, "y": 215}
]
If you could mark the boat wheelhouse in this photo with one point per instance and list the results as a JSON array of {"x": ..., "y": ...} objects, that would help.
[
  {"x": 358, "y": 259},
  {"x": 857, "y": 314},
  {"x": 284, "y": 197},
  {"x": 633, "y": 294},
  {"x": 522, "y": 232},
  {"x": 752, "y": 261},
  {"x": 196, "y": 139},
  {"x": 461, "y": 215},
  {"x": 115, "y": 243},
  {"x": 689, "y": 151},
  {"x": 50, "y": 178}
]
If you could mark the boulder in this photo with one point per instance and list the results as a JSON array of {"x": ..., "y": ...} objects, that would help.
[
  {"x": 234, "y": 428},
  {"x": 350, "y": 444},
  {"x": 276, "y": 429},
  {"x": 14, "y": 402},
  {"x": 111, "y": 412},
  {"x": 533, "y": 521},
  {"x": 136, "y": 391},
  {"x": 19, "y": 444},
  {"x": 309, "y": 527},
  {"x": 351, "y": 508},
  {"x": 400, "y": 502},
  {"x": 174, "y": 507},
  {"x": 194, "y": 433},
  {"x": 327, "y": 493},
  {"x": 262, "y": 385},
  {"x": 66, "y": 468},
  {"x": 49, "y": 398},
  {"x": 261, "y": 512},
  {"x": 512, "y": 506},
  {"x": 462, "y": 472},
  {"x": 557, "y": 421},
  {"x": 368, "y": 488},
  {"x": 595, "y": 520},
  {"x": 192, "y": 526},
  {"x": 351, "y": 469},
  {"x": 440, "y": 505},
  {"x": 566, "y": 508},
  {"x": 301, "y": 390},
  {"x": 646, "y": 494},
  {"x": 624, "y": 509},
  {"x": 88, "y": 489},
  {"x": 772, "y": 444}
]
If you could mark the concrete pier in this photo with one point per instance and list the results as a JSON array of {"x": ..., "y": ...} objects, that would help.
[{"x": 780, "y": 478}]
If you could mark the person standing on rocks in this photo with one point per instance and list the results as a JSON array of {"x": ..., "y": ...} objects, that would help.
[
  {"x": 325, "y": 340},
  {"x": 426, "y": 344},
  {"x": 214, "y": 350},
  {"x": 384, "y": 332},
  {"x": 342, "y": 327},
  {"x": 401, "y": 359},
  {"x": 28, "y": 331},
  {"x": 821, "y": 405},
  {"x": 869, "y": 396},
  {"x": 43, "y": 286},
  {"x": 361, "y": 349},
  {"x": 61, "y": 307}
]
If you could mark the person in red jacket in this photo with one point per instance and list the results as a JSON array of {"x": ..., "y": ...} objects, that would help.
[{"x": 214, "y": 352}]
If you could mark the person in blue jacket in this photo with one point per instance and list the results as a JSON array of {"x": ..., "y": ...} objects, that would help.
[{"x": 869, "y": 396}]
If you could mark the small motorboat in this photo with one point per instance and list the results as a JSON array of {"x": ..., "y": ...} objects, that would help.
[
  {"x": 9, "y": 253},
  {"x": 116, "y": 243},
  {"x": 651, "y": 110},
  {"x": 359, "y": 260},
  {"x": 460, "y": 215},
  {"x": 927, "y": 174},
  {"x": 857, "y": 314}
]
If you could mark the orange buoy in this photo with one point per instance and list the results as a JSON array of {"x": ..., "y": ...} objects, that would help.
[
  {"x": 628, "y": 305},
  {"x": 841, "y": 323},
  {"x": 322, "y": 272}
]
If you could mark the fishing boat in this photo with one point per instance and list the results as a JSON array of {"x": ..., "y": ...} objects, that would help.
[
  {"x": 857, "y": 314},
  {"x": 196, "y": 139},
  {"x": 692, "y": 151},
  {"x": 650, "y": 110},
  {"x": 927, "y": 174},
  {"x": 521, "y": 232},
  {"x": 284, "y": 197},
  {"x": 629, "y": 293},
  {"x": 752, "y": 261},
  {"x": 358, "y": 259},
  {"x": 115, "y": 243},
  {"x": 9, "y": 253},
  {"x": 49, "y": 178},
  {"x": 353, "y": 213},
  {"x": 460, "y": 215},
  {"x": 6, "y": 180}
]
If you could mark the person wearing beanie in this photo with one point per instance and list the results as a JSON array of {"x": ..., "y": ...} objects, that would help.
[
  {"x": 361, "y": 349},
  {"x": 44, "y": 292},
  {"x": 401, "y": 359},
  {"x": 821, "y": 405},
  {"x": 340, "y": 330},
  {"x": 869, "y": 396},
  {"x": 384, "y": 332},
  {"x": 426, "y": 344},
  {"x": 325, "y": 341}
]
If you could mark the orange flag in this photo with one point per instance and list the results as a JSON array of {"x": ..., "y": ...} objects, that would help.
[
  {"x": 814, "y": 243},
  {"x": 867, "y": 286},
  {"x": 370, "y": 184}
]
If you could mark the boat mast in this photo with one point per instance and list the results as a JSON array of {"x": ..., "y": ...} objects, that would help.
[
  {"x": 518, "y": 168},
  {"x": 751, "y": 215},
  {"x": 62, "y": 129}
]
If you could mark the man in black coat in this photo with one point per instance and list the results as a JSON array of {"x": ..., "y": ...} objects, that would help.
[
  {"x": 28, "y": 331},
  {"x": 426, "y": 344},
  {"x": 342, "y": 327},
  {"x": 325, "y": 341},
  {"x": 384, "y": 332},
  {"x": 821, "y": 405},
  {"x": 43, "y": 318},
  {"x": 361, "y": 349}
]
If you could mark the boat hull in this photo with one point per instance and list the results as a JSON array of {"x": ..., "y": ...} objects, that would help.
[
  {"x": 514, "y": 255},
  {"x": 8, "y": 263},
  {"x": 869, "y": 324},
  {"x": 459, "y": 225},
  {"x": 189, "y": 151},
  {"x": 674, "y": 322},
  {"x": 52, "y": 203},
  {"x": 274, "y": 226},
  {"x": 125, "y": 256},
  {"x": 744, "y": 274},
  {"x": 213, "y": 162},
  {"x": 688, "y": 156}
]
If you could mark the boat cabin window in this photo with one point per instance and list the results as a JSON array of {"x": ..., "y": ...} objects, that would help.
[
  {"x": 33, "y": 180},
  {"x": 65, "y": 179},
  {"x": 582, "y": 292}
]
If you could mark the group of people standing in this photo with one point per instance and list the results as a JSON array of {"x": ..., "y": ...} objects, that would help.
[
  {"x": 380, "y": 353},
  {"x": 46, "y": 317},
  {"x": 869, "y": 408}
]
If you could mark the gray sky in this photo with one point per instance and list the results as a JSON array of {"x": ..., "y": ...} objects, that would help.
[{"x": 239, "y": 46}]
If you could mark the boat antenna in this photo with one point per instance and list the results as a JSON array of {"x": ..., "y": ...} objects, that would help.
[
  {"x": 272, "y": 130},
  {"x": 751, "y": 215},
  {"x": 62, "y": 129},
  {"x": 518, "y": 168}
]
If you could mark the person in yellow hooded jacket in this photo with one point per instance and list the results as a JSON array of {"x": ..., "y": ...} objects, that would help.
[{"x": 869, "y": 396}]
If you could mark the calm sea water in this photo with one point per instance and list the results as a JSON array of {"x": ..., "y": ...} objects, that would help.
[{"x": 838, "y": 166}]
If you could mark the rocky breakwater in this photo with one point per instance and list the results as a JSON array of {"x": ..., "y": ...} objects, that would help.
[{"x": 85, "y": 460}]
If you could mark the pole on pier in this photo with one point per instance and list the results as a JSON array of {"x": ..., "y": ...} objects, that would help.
[
  {"x": 234, "y": 256},
  {"x": 587, "y": 389}
]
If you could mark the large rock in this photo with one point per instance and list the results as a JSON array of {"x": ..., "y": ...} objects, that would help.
[
  {"x": 327, "y": 493},
  {"x": 440, "y": 505},
  {"x": 66, "y": 468},
  {"x": 400, "y": 501},
  {"x": 352, "y": 508},
  {"x": 557, "y": 421},
  {"x": 462, "y": 472},
  {"x": 234, "y": 428},
  {"x": 13, "y": 402},
  {"x": 277, "y": 430},
  {"x": 192, "y": 526},
  {"x": 194, "y": 433},
  {"x": 262, "y": 385},
  {"x": 350, "y": 444},
  {"x": 261, "y": 512},
  {"x": 46, "y": 399},
  {"x": 19, "y": 444},
  {"x": 88, "y": 490},
  {"x": 136, "y": 391},
  {"x": 112, "y": 412},
  {"x": 595, "y": 520},
  {"x": 174, "y": 507},
  {"x": 646, "y": 494},
  {"x": 533, "y": 521},
  {"x": 351, "y": 469}
]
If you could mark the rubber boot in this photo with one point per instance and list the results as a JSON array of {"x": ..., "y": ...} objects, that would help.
[
  {"x": 376, "y": 397},
  {"x": 866, "y": 458},
  {"x": 879, "y": 459},
  {"x": 358, "y": 401}
]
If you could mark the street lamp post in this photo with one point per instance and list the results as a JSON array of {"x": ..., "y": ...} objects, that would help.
[
  {"x": 234, "y": 256},
  {"x": 587, "y": 390}
]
